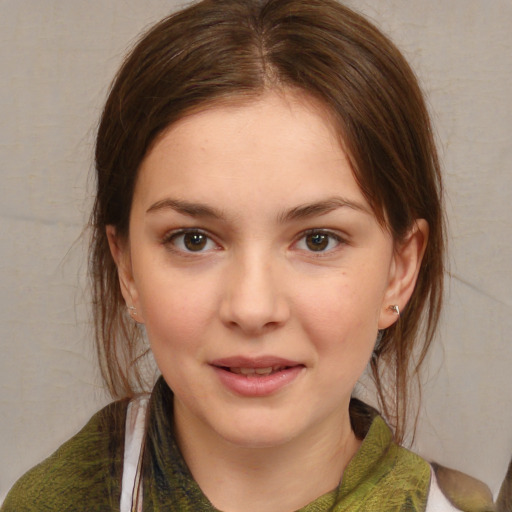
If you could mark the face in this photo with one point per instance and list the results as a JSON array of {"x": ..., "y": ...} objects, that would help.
[{"x": 258, "y": 269}]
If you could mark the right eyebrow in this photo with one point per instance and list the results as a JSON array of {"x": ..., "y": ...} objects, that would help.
[{"x": 186, "y": 208}]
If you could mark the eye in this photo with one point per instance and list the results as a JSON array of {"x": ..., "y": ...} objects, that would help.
[
  {"x": 190, "y": 241},
  {"x": 318, "y": 241}
]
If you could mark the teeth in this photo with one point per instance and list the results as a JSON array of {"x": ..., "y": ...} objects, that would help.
[
  {"x": 263, "y": 371},
  {"x": 256, "y": 371}
]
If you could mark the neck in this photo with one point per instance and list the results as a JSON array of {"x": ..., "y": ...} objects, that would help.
[{"x": 278, "y": 478}]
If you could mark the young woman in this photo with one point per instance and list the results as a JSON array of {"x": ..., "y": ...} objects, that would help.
[{"x": 269, "y": 217}]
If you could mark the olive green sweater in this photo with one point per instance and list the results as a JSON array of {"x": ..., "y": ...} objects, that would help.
[{"x": 85, "y": 473}]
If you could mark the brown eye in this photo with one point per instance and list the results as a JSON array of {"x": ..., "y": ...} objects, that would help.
[
  {"x": 317, "y": 241},
  {"x": 190, "y": 241},
  {"x": 195, "y": 241}
]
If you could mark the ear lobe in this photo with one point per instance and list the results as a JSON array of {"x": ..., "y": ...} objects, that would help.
[
  {"x": 406, "y": 265},
  {"x": 120, "y": 250}
]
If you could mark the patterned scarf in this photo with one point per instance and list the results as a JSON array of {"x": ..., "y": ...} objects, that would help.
[{"x": 381, "y": 477}]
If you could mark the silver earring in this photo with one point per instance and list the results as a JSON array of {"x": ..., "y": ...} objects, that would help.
[
  {"x": 395, "y": 309},
  {"x": 132, "y": 310}
]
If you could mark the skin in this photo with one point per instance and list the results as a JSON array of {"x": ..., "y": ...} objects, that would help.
[{"x": 273, "y": 277}]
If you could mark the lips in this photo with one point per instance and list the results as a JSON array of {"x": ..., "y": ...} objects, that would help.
[{"x": 256, "y": 377}]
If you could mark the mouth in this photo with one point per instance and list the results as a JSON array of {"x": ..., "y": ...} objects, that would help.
[
  {"x": 255, "y": 367},
  {"x": 255, "y": 372},
  {"x": 257, "y": 377}
]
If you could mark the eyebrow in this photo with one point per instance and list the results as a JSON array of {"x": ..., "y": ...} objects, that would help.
[
  {"x": 186, "y": 208},
  {"x": 296, "y": 213},
  {"x": 320, "y": 208}
]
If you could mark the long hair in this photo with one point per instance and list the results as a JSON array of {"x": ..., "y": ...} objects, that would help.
[{"x": 217, "y": 50}]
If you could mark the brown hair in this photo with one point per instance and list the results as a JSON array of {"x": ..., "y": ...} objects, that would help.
[{"x": 221, "y": 49}]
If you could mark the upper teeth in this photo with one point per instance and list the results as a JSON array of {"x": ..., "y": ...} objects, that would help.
[{"x": 257, "y": 371}]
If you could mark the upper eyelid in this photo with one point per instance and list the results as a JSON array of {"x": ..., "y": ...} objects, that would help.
[
  {"x": 183, "y": 231},
  {"x": 323, "y": 231},
  {"x": 327, "y": 231}
]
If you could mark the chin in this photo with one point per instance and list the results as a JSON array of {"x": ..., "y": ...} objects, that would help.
[{"x": 258, "y": 433}]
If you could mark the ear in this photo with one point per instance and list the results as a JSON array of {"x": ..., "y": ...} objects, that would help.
[
  {"x": 404, "y": 271},
  {"x": 120, "y": 250}
]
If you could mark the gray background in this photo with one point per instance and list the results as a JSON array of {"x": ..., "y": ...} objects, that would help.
[{"x": 57, "y": 58}]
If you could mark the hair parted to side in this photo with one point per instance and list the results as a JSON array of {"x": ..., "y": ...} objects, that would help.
[{"x": 217, "y": 50}]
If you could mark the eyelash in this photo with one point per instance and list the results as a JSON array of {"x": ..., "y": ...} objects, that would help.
[{"x": 170, "y": 239}]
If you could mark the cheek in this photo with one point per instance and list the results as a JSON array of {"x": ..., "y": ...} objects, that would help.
[
  {"x": 343, "y": 314},
  {"x": 176, "y": 308},
  {"x": 175, "y": 326}
]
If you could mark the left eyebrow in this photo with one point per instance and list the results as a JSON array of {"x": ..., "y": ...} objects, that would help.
[
  {"x": 320, "y": 208},
  {"x": 186, "y": 208}
]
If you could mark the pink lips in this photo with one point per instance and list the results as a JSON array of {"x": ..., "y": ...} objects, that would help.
[{"x": 256, "y": 377}]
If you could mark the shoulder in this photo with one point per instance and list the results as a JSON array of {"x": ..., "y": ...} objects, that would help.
[
  {"x": 83, "y": 474},
  {"x": 404, "y": 481},
  {"x": 448, "y": 489},
  {"x": 383, "y": 475}
]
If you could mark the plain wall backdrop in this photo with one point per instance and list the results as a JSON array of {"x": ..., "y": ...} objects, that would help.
[{"x": 57, "y": 59}]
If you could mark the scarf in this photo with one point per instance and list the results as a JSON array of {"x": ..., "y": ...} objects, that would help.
[{"x": 382, "y": 476}]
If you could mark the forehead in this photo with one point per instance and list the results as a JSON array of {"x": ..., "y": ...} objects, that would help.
[
  {"x": 282, "y": 147},
  {"x": 253, "y": 108}
]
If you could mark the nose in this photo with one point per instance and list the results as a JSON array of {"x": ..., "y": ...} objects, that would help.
[{"x": 254, "y": 299}]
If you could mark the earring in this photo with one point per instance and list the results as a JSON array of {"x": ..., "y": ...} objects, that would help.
[
  {"x": 132, "y": 310},
  {"x": 395, "y": 309}
]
